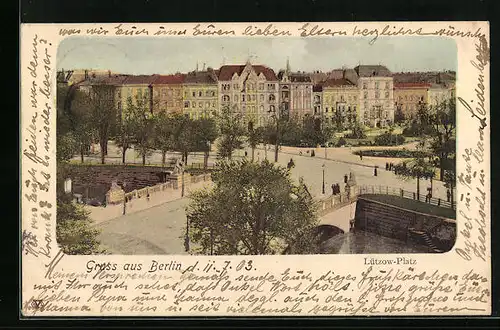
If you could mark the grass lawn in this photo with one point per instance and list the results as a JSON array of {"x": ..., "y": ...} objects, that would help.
[{"x": 413, "y": 205}]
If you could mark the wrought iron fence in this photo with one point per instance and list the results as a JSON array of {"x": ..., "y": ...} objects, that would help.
[{"x": 386, "y": 190}]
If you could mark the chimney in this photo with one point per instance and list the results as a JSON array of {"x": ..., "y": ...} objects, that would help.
[
  {"x": 109, "y": 73},
  {"x": 86, "y": 74}
]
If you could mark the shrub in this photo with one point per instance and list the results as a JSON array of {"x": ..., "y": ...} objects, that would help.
[
  {"x": 341, "y": 142},
  {"x": 388, "y": 139},
  {"x": 392, "y": 153}
]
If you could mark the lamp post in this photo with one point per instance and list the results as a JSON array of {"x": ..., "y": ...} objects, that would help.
[
  {"x": 124, "y": 198},
  {"x": 182, "y": 178},
  {"x": 186, "y": 237},
  {"x": 323, "y": 187},
  {"x": 276, "y": 147}
]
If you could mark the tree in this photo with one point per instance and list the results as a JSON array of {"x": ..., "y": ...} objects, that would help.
[
  {"x": 126, "y": 129},
  {"x": 83, "y": 127},
  {"x": 416, "y": 168},
  {"x": 144, "y": 126},
  {"x": 102, "y": 110},
  {"x": 205, "y": 133},
  {"x": 73, "y": 230},
  {"x": 252, "y": 209},
  {"x": 357, "y": 132},
  {"x": 232, "y": 132},
  {"x": 254, "y": 137},
  {"x": 164, "y": 134},
  {"x": 184, "y": 135},
  {"x": 73, "y": 225},
  {"x": 399, "y": 116},
  {"x": 443, "y": 142}
]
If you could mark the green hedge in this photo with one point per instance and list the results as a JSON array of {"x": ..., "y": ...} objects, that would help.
[{"x": 392, "y": 153}]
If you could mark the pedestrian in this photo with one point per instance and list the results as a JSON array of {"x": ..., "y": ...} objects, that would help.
[
  {"x": 361, "y": 155},
  {"x": 386, "y": 166},
  {"x": 291, "y": 164},
  {"x": 448, "y": 195},
  {"x": 337, "y": 189},
  {"x": 345, "y": 178},
  {"x": 246, "y": 153},
  {"x": 313, "y": 153},
  {"x": 375, "y": 171},
  {"x": 333, "y": 189}
]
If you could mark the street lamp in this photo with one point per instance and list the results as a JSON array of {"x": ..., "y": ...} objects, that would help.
[
  {"x": 124, "y": 197},
  {"x": 186, "y": 238},
  {"x": 323, "y": 187},
  {"x": 276, "y": 147}
]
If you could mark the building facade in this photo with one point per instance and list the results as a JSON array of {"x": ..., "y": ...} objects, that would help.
[
  {"x": 340, "y": 102},
  {"x": 439, "y": 93},
  {"x": 296, "y": 93},
  {"x": 167, "y": 93},
  {"x": 136, "y": 89},
  {"x": 318, "y": 100},
  {"x": 409, "y": 97},
  {"x": 200, "y": 94},
  {"x": 251, "y": 90},
  {"x": 376, "y": 98}
]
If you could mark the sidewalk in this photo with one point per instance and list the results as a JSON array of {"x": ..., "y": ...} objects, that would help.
[{"x": 100, "y": 214}]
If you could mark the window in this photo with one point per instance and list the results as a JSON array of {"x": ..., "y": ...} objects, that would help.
[
  {"x": 272, "y": 98},
  {"x": 365, "y": 86},
  {"x": 326, "y": 109},
  {"x": 186, "y": 93},
  {"x": 235, "y": 86},
  {"x": 207, "y": 104},
  {"x": 270, "y": 87},
  {"x": 366, "y": 105},
  {"x": 194, "y": 94},
  {"x": 271, "y": 108},
  {"x": 200, "y": 104},
  {"x": 244, "y": 108},
  {"x": 243, "y": 98},
  {"x": 261, "y": 87},
  {"x": 262, "y": 108},
  {"x": 377, "y": 85},
  {"x": 262, "y": 97},
  {"x": 226, "y": 87},
  {"x": 213, "y": 104},
  {"x": 200, "y": 93},
  {"x": 365, "y": 95},
  {"x": 253, "y": 97},
  {"x": 235, "y": 98},
  {"x": 387, "y": 94},
  {"x": 225, "y": 98},
  {"x": 186, "y": 104},
  {"x": 377, "y": 94},
  {"x": 387, "y": 85}
]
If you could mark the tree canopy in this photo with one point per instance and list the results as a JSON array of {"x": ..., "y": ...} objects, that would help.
[{"x": 253, "y": 208}]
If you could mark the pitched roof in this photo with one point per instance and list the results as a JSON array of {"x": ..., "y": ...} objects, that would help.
[
  {"x": 140, "y": 79},
  {"x": 226, "y": 72},
  {"x": 338, "y": 82},
  {"x": 318, "y": 77},
  {"x": 299, "y": 77},
  {"x": 372, "y": 71},
  {"x": 200, "y": 77},
  {"x": 112, "y": 80},
  {"x": 412, "y": 85},
  {"x": 169, "y": 79}
]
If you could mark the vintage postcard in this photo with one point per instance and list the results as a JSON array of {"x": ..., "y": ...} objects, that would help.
[{"x": 255, "y": 169}]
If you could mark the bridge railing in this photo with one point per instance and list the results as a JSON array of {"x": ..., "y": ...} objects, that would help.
[{"x": 386, "y": 190}]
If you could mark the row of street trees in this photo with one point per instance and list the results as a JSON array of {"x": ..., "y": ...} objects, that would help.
[
  {"x": 435, "y": 126},
  {"x": 90, "y": 117}
]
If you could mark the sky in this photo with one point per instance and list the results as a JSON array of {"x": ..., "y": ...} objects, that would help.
[{"x": 169, "y": 55}]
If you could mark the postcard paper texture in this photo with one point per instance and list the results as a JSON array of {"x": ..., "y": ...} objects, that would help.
[{"x": 255, "y": 169}]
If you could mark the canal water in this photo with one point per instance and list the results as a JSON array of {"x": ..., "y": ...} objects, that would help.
[{"x": 362, "y": 242}]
